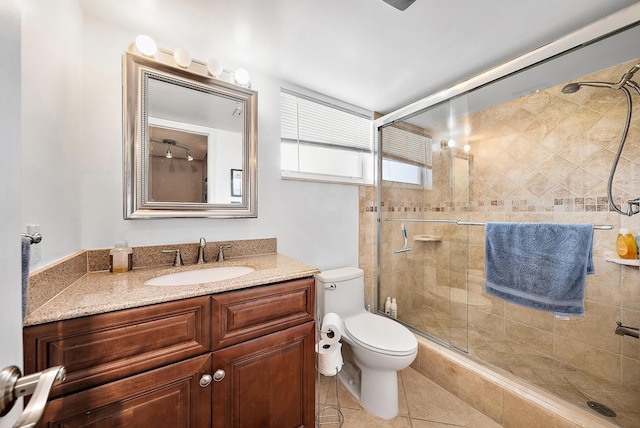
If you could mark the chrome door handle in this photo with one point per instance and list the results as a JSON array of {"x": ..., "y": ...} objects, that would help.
[{"x": 13, "y": 386}]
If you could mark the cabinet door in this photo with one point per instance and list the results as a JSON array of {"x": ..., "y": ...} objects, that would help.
[
  {"x": 269, "y": 381},
  {"x": 102, "y": 348},
  {"x": 166, "y": 397}
]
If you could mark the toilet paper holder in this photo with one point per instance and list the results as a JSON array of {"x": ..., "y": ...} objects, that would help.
[
  {"x": 330, "y": 414},
  {"x": 329, "y": 332}
]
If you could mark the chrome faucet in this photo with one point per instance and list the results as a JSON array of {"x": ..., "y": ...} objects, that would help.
[
  {"x": 178, "y": 259},
  {"x": 627, "y": 331},
  {"x": 221, "y": 252},
  {"x": 201, "y": 258}
]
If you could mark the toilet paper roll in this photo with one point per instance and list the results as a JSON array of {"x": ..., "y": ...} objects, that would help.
[
  {"x": 331, "y": 328},
  {"x": 329, "y": 358}
]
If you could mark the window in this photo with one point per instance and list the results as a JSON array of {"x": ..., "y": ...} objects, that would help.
[
  {"x": 319, "y": 141},
  {"x": 406, "y": 157}
]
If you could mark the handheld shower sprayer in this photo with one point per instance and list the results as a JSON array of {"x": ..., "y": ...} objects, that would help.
[{"x": 633, "y": 205}]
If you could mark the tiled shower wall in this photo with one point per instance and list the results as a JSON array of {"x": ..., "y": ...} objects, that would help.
[{"x": 544, "y": 157}]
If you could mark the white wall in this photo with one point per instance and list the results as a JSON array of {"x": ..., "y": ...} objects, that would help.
[
  {"x": 225, "y": 154},
  {"x": 10, "y": 290},
  {"x": 315, "y": 223},
  {"x": 51, "y": 123}
]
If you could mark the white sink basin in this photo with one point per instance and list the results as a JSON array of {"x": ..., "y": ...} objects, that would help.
[{"x": 200, "y": 276}]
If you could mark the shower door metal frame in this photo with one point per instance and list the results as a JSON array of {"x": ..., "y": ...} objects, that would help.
[{"x": 600, "y": 29}]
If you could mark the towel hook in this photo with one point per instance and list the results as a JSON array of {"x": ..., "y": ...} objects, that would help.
[{"x": 33, "y": 238}]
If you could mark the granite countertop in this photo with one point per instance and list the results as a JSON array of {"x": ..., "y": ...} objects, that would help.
[{"x": 100, "y": 292}]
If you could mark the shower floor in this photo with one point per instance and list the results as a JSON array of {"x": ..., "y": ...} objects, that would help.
[{"x": 568, "y": 382}]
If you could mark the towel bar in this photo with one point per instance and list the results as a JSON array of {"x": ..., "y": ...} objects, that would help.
[
  {"x": 473, "y": 223},
  {"x": 35, "y": 238}
]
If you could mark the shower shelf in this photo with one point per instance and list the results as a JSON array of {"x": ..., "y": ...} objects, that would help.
[
  {"x": 612, "y": 256},
  {"x": 427, "y": 238}
]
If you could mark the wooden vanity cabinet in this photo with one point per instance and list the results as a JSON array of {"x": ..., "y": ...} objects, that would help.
[
  {"x": 264, "y": 343},
  {"x": 145, "y": 367}
]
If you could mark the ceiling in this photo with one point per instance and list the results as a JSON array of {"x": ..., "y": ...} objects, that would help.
[{"x": 363, "y": 52}]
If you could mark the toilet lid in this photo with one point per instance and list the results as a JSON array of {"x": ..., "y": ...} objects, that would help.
[{"x": 381, "y": 334}]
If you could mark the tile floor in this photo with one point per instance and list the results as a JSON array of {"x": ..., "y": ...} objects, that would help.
[
  {"x": 570, "y": 383},
  {"x": 422, "y": 403}
]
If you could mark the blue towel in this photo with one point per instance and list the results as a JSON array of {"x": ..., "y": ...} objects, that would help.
[
  {"x": 26, "y": 246},
  {"x": 539, "y": 265}
]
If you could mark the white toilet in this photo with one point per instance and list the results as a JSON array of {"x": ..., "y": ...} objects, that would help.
[{"x": 379, "y": 345}]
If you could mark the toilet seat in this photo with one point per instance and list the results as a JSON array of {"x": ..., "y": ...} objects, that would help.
[{"x": 380, "y": 334}]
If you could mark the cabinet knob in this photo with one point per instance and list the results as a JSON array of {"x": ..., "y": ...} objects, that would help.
[
  {"x": 205, "y": 380},
  {"x": 218, "y": 375}
]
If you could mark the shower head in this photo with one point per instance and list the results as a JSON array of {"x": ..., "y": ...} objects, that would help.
[{"x": 571, "y": 88}]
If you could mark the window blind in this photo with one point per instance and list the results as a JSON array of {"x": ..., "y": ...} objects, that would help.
[
  {"x": 307, "y": 121},
  {"x": 406, "y": 146}
]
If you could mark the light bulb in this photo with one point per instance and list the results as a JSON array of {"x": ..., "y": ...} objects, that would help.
[
  {"x": 189, "y": 157},
  {"x": 242, "y": 77},
  {"x": 215, "y": 67},
  {"x": 169, "y": 154},
  {"x": 467, "y": 148},
  {"x": 182, "y": 57},
  {"x": 451, "y": 143},
  {"x": 146, "y": 45}
]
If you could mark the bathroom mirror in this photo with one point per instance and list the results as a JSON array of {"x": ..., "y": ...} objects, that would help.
[{"x": 190, "y": 143}]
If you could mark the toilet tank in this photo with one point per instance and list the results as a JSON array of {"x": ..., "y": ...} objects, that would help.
[{"x": 340, "y": 291}]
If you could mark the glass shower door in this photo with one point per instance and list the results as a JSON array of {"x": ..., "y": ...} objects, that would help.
[{"x": 423, "y": 185}]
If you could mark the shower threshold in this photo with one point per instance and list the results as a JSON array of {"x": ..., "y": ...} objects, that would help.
[{"x": 565, "y": 381}]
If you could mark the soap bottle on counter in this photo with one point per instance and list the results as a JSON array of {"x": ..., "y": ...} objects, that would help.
[
  {"x": 120, "y": 258},
  {"x": 626, "y": 245}
]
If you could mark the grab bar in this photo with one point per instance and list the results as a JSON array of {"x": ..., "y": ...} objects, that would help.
[{"x": 473, "y": 223}]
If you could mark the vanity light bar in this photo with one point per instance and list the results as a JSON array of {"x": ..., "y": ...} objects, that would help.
[{"x": 146, "y": 47}]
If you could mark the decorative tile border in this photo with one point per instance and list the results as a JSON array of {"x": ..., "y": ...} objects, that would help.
[{"x": 586, "y": 205}]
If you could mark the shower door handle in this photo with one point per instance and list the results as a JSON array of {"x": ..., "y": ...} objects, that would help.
[{"x": 13, "y": 385}]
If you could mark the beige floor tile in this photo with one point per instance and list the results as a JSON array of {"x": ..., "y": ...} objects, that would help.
[
  {"x": 417, "y": 423},
  {"x": 429, "y": 402},
  {"x": 346, "y": 401},
  {"x": 323, "y": 388},
  {"x": 428, "y": 405},
  {"x": 361, "y": 419}
]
